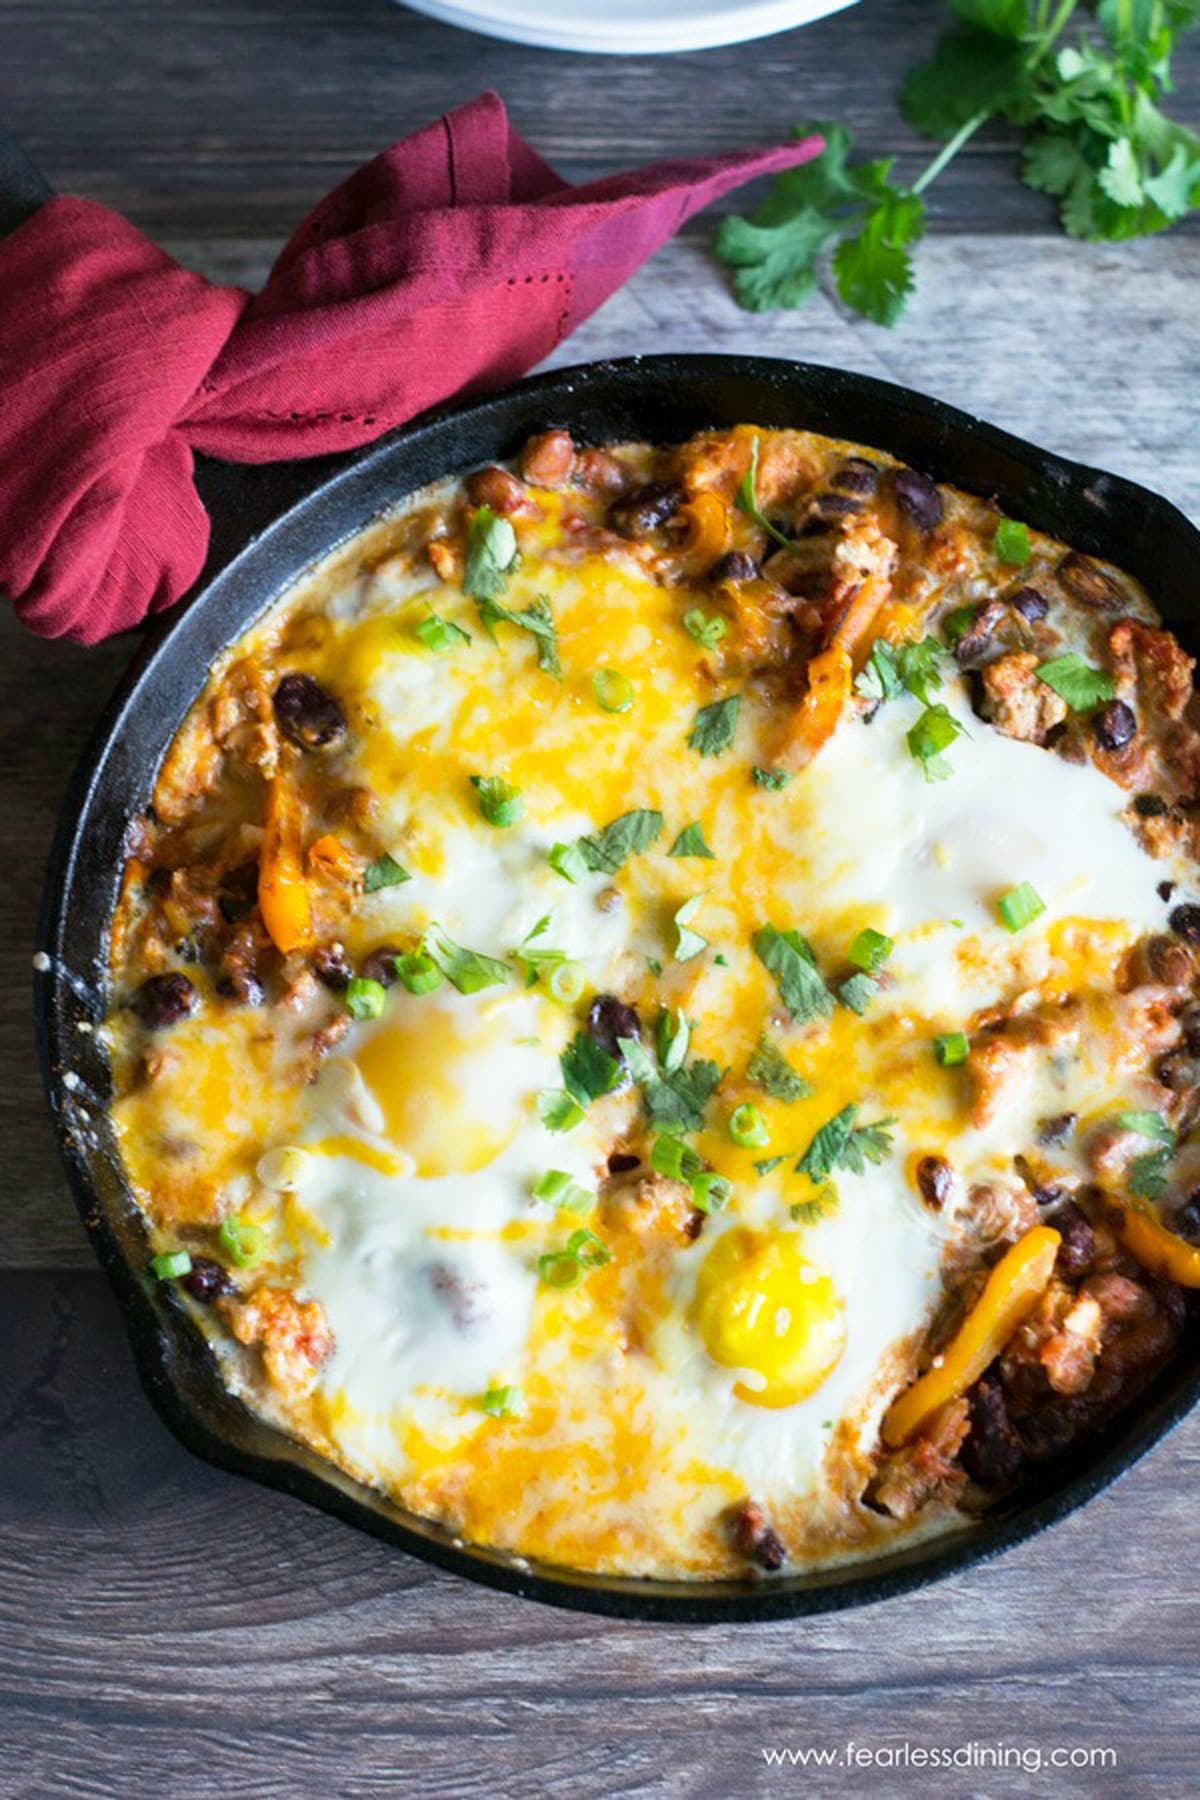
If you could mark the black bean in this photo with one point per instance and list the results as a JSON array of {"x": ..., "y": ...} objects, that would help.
[
  {"x": 206, "y": 1279},
  {"x": 164, "y": 1000},
  {"x": 1189, "y": 1018},
  {"x": 1084, "y": 581},
  {"x": 918, "y": 499},
  {"x": 857, "y": 476},
  {"x": 1165, "y": 889},
  {"x": 1055, "y": 1130},
  {"x": 934, "y": 1181},
  {"x": 380, "y": 966},
  {"x": 838, "y": 506},
  {"x": 1115, "y": 725},
  {"x": 1179, "y": 1072},
  {"x": 610, "y": 1019},
  {"x": 756, "y": 1538},
  {"x": 1186, "y": 1222},
  {"x": 1031, "y": 605},
  {"x": 992, "y": 1454},
  {"x": 620, "y": 1162},
  {"x": 1078, "y": 1245},
  {"x": 812, "y": 528},
  {"x": 331, "y": 967},
  {"x": 307, "y": 713},
  {"x": 649, "y": 507},
  {"x": 238, "y": 892},
  {"x": 1185, "y": 922},
  {"x": 238, "y": 981},
  {"x": 976, "y": 641},
  {"x": 735, "y": 565},
  {"x": 1150, "y": 806}
]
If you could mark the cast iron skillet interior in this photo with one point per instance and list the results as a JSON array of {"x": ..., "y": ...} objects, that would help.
[{"x": 662, "y": 398}]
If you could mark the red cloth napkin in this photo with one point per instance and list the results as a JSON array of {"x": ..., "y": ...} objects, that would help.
[{"x": 453, "y": 262}]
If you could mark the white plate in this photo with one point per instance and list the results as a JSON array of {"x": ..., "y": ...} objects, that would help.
[{"x": 628, "y": 27}]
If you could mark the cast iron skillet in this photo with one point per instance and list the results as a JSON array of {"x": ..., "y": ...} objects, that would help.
[{"x": 663, "y": 398}]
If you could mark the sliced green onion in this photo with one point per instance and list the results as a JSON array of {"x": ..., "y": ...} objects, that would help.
[
  {"x": 672, "y": 1033},
  {"x": 1020, "y": 906},
  {"x": 587, "y": 1249},
  {"x": 568, "y": 861},
  {"x": 559, "y": 1269},
  {"x": 671, "y": 1156},
  {"x": 747, "y": 1127},
  {"x": 951, "y": 1048},
  {"x": 613, "y": 691},
  {"x": 567, "y": 981},
  {"x": 440, "y": 635},
  {"x": 499, "y": 802},
  {"x": 870, "y": 950},
  {"x": 690, "y": 943},
  {"x": 243, "y": 1242},
  {"x": 169, "y": 1265},
  {"x": 503, "y": 1403},
  {"x": 364, "y": 998},
  {"x": 559, "y": 1189},
  {"x": 419, "y": 973},
  {"x": 1011, "y": 542},
  {"x": 707, "y": 628},
  {"x": 710, "y": 1192}
]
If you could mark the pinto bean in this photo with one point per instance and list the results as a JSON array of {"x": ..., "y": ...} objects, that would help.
[
  {"x": 164, "y": 999},
  {"x": 735, "y": 565},
  {"x": 1084, "y": 581},
  {"x": 919, "y": 499},
  {"x": 1115, "y": 725},
  {"x": 650, "y": 507},
  {"x": 307, "y": 713},
  {"x": 600, "y": 472},
  {"x": 755, "y": 1537},
  {"x": 548, "y": 459},
  {"x": 502, "y": 492}
]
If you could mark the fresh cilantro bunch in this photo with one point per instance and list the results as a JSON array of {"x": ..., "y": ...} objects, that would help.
[{"x": 1097, "y": 140}]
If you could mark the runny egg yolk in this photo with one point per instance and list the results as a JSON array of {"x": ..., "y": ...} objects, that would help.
[
  {"x": 432, "y": 1068},
  {"x": 763, "y": 1307}
]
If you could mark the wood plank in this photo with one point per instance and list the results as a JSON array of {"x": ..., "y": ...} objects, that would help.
[
  {"x": 167, "y": 1627},
  {"x": 216, "y": 116},
  {"x": 1053, "y": 302}
]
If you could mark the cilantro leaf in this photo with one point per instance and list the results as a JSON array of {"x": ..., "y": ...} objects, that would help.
[
  {"x": 919, "y": 666},
  {"x": 675, "y": 1097},
  {"x": 872, "y": 268},
  {"x": 467, "y": 970},
  {"x": 491, "y": 554},
  {"x": 557, "y": 1110},
  {"x": 384, "y": 872},
  {"x": 588, "y": 1070},
  {"x": 788, "y": 957},
  {"x": 880, "y": 678},
  {"x": 690, "y": 842},
  {"x": 605, "y": 851},
  {"x": 537, "y": 619},
  {"x": 857, "y": 992},
  {"x": 841, "y": 1144},
  {"x": 974, "y": 69},
  {"x": 774, "y": 780},
  {"x": 1076, "y": 682},
  {"x": 1146, "y": 1124},
  {"x": 714, "y": 726},
  {"x": 770, "y": 1070},
  {"x": 934, "y": 731},
  {"x": 1148, "y": 1175}
]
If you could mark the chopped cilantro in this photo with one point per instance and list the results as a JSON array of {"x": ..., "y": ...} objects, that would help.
[
  {"x": 605, "y": 851},
  {"x": 771, "y": 779},
  {"x": 956, "y": 624},
  {"x": 934, "y": 731},
  {"x": 770, "y": 1070},
  {"x": 840, "y": 1144},
  {"x": 467, "y": 970},
  {"x": 672, "y": 1033},
  {"x": 557, "y": 1110},
  {"x": 714, "y": 726},
  {"x": 674, "y": 1098},
  {"x": 1148, "y": 1176},
  {"x": 690, "y": 842},
  {"x": 1146, "y": 1124},
  {"x": 880, "y": 678},
  {"x": 588, "y": 1070},
  {"x": 822, "y": 1203},
  {"x": 384, "y": 872},
  {"x": 491, "y": 555},
  {"x": 788, "y": 957},
  {"x": 1076, "y": 682},
  {"x": 857, "y": 992},
  {"x": 919, "y": 666},
  {"x": 537, "y": 619}
]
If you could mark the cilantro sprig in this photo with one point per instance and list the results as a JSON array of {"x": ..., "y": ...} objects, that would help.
[{"x": 1097, "y": 141}]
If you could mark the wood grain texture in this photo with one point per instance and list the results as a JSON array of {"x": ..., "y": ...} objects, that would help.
[{"x": 167, "y": 1627}]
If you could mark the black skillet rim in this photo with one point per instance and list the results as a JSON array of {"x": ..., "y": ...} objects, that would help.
[{"x": 1100, "y": 513}]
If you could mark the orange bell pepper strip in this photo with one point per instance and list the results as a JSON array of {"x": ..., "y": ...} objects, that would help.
[
  {"x": 282, "y": 890},
  {"x": 1161, "y": 1251},
  {"x": 707, "y": 520},
  {"x": 329, "y": 855},
  {"x": 831, "y": 674},
  {"x": 1011, "y": 1292}
]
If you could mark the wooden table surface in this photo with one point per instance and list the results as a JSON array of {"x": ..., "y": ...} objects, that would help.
[{"x": 164, "y": 1627}]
